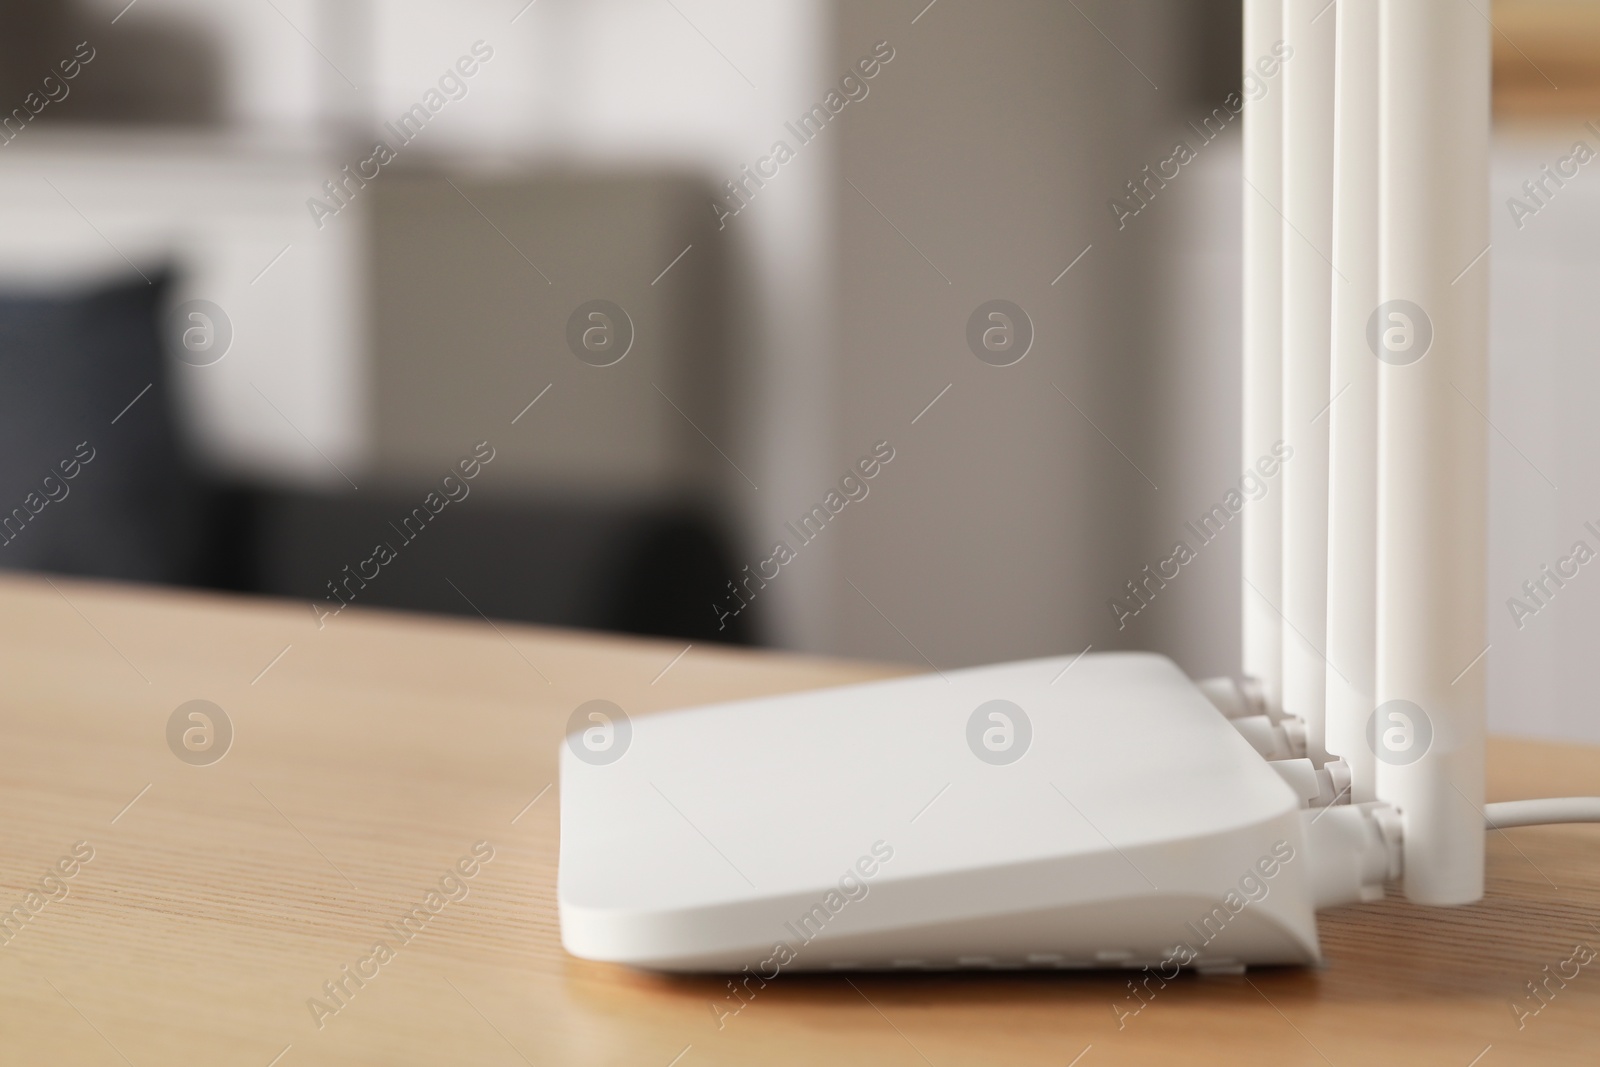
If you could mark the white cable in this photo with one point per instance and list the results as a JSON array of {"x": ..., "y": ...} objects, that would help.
[{"x": 1510, "y": 813}]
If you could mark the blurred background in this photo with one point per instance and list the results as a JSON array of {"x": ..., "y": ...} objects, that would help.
[{"x": 528, "y": 294}]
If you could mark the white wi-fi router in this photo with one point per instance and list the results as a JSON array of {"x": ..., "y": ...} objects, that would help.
[{"x": 1104, "y": 810}]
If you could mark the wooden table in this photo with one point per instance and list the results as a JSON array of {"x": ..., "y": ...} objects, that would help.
[{"x": 370, "y": 757}]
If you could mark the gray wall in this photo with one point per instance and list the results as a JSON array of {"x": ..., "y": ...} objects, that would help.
[{"x": 1026, "y": 497}]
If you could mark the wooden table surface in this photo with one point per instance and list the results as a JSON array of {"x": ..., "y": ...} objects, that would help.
[{"x": 372, "y": 756}]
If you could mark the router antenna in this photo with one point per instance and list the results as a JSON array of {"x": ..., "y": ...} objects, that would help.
[
  {"x": 1307, "y": 311},
  {"x": 1353, "y": 414},
  {"x": 1261, "y": 595},
  {"x": 1431, "y": 332}
]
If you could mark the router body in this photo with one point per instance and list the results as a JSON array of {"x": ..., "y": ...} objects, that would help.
[{"x": 1089, "y": 812}]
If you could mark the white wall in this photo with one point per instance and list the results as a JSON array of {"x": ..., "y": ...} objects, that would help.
[{"x": 1544, "y": 445}]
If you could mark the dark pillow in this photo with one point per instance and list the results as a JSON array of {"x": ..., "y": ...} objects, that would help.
[{"x": 88, "y": 484}]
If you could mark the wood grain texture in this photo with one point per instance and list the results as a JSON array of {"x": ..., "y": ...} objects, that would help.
[{"x": 376, "y": 752}]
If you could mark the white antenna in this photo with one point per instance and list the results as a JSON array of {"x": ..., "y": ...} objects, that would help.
[
  {"x": 1382, "y": 367},
  {"x": 1353, "y": 414},
  {"x": 1432, "y": 468},
  {"x": 1307, "y": 311},
  {"x": 1261, "y": 596}
]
